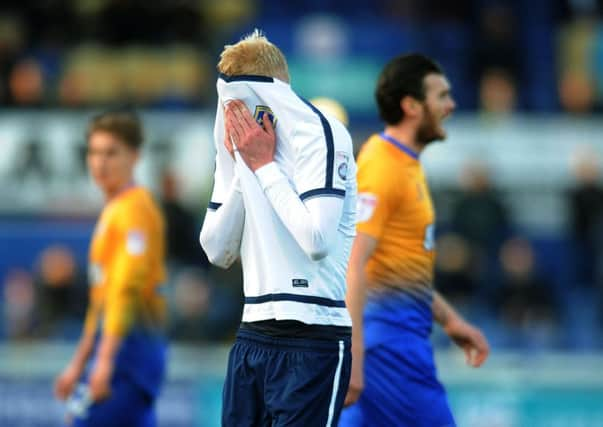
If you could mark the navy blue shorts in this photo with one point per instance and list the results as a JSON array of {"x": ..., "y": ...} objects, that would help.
[
  {"x": 128, "y": 406},
  {"x": 285, "y": 381}
]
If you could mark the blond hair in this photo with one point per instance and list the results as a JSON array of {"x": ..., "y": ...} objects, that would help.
[{"x": 254, "y": 55}]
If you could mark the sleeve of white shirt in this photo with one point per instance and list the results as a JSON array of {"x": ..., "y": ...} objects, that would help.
[
  {"x": 224, "y": 166},
  {"x": 312, "y": 210},
  {"x": 222, "y": 228}
]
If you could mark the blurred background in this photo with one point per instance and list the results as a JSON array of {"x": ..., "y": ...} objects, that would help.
[{"x": 517, "y": 185}]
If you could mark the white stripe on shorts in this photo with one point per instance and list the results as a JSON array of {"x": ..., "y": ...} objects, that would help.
[{"x": 335, "y": 385}]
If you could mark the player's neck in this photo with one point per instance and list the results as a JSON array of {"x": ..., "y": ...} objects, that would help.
[
  {"x": 113, "y": 193},
  {"x": 405, "y": 136}
]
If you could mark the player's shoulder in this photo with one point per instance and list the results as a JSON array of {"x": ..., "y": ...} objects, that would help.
[
  {"x": 380, "y": 169},
  {"x": 137, "y": 206},
  {"x": 377, "y": 154},
  {"x": 342, "y": 140}
]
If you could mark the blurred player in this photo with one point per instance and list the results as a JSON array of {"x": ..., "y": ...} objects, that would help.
[
  {"x": 390, "y": 278},
  {"x": 120, "y": 359},
  {"x": 284, "y": 199}
]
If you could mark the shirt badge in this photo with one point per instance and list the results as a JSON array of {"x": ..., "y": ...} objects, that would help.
[
  {"x": 136, "y": 242},
  {"x": 365, "y": 206}
]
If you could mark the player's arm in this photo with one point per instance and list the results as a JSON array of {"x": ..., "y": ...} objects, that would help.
[
  {"x": 363, "y": 247},
  {"x": 222, "y": 228},
  {"x": 129, "y": 273},
  {"x": 466, "y": 336},
  {"x": 67, "y": 380},
  {"x": 312, "y": 222}
]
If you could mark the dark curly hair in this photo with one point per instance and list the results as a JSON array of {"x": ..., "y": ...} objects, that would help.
[{"x": 402, "y": 76}]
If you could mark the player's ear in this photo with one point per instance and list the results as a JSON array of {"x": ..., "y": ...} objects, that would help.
[{"x": 410, "y": 106}]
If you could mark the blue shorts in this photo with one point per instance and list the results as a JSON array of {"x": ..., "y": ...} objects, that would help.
[
  {"x": 285, "y": 381},
  {"x": 401, "y": 385},
  {"x": 128, "y": 406}
]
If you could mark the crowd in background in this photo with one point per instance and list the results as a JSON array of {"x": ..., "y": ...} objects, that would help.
[
  {"x": 539, "y": 55},
  {"x": 502, "y": 57}
]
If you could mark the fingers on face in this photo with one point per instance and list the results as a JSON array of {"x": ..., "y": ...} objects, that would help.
[
  {"x": 243, "y": 115},
  {"x": 232, "y": 128},
  {"x": 238, "y": 120}
]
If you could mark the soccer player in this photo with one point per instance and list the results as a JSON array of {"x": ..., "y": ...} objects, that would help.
[
  {"x": 120, "y": 359},
  {"x": 390, "y": 294},
  {"x": 284, "y": 199}
]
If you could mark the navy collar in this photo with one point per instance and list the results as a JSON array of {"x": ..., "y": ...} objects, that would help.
[{"x": 401, "y": 146}]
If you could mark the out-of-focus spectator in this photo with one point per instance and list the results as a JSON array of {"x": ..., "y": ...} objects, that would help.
[
  {"x": 18, "y": 305},
  {"x": 585, "y": 202},
  {"x": 201, "y": 310},
  {"x": 498, "y": 94},
  {"x": 454, "y": 273},
  {"x": 183, "y": 248},
  {"x": 479, "y": 214},
  {"x": 576, "y": 92},
  {"x": 497, "y": 39},
  {"x": 62, "y": 294},
  {"x": 525, "y": 302},
  {"x": 12, "y": 39},
  {"x": 26, "y": 83}
]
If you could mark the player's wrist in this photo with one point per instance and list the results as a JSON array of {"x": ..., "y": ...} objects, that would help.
[
  {"x": 268, "y": 174},
  {"x": 452, "y": 322}
]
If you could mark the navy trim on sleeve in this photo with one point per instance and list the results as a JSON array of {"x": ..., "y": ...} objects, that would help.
[
  {"x": 330, "y": 145},
  {"x": 306, "y": 299},
  {"x": 213, "y": 206},
  {"x": 246, "y": 78},
  {"x": 333, "y": 192}
]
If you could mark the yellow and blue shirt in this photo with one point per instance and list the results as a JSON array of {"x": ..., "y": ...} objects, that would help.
[
  {"x": 395, "y": 208},
  {"x": 127, "y": 267}
]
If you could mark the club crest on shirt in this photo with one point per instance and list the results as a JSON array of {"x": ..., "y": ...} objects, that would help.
[
  {"x": 260, "y": 111},
  {"x": 365, "y": 206},
  {"x": 341, "y": 160},
  {"x": 136, "y": 242}
]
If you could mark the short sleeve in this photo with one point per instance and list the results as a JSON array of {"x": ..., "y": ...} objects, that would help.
[{"x": 378, "y": 198}]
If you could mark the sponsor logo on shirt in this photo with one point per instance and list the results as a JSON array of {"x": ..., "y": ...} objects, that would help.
[
  {"x": 136, "y": 242},
  {"x": 299, "y": 283},
  {"x": 365, "y": 206}
]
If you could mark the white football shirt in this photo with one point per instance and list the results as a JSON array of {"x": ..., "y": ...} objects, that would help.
[{"x": 293, "y": 221}]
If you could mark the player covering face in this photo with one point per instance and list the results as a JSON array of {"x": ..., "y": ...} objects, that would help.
[{"x": 284, "y": 202}]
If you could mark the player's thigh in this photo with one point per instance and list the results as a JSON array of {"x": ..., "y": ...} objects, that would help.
[
  {"x": 308, "y": 387},
  {"x": 128, "y": 406},
  {"x": 401, "y": 389},
  {"x": 242, "y": 400}
]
